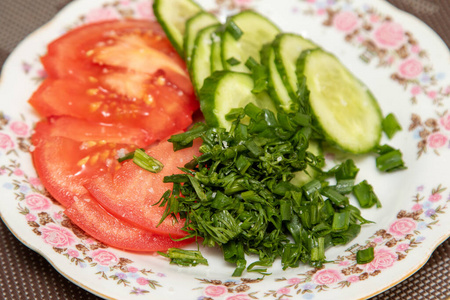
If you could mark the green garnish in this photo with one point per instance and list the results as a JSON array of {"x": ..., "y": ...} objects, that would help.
[
  {"x": 127, "y": 156},
  {"x": 233, "y": 61},
  {"x": 390, "y": 125},
  {"x": 237, "y": 195},
  {"x": 365, "y": 256},
  {"x": 365, "y": 195},
  {"x": 234, "y": 30},
  {"x": 147, "y": 162},
  {"x": 184, "y": 257},
  {"x": 390, "y": 159}
]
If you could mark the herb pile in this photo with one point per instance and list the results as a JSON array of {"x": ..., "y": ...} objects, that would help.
[{"x": 237, "y": 195}]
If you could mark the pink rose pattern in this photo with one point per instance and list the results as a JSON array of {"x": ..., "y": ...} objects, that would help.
[
  {"x": 57, "y": 236},
  {"x": 346, "y": 21},
  {"x": 437, "y": 140},
  {"x": 410, "y": 68},
  {"x": 327, "y": 276},
  {"x": 402, "y": 227},
  {"x": 387, "y": 35},
  {"x": 102, "y": 14},
  {"x": 37, "y": 202},
  {"x": 215, "y": 290},
  {"x": 19, "y": 128},
  {"x": 104, "y": 257},
  {"x": 6, "y": 142}
]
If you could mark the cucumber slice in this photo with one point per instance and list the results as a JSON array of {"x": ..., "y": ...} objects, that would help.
[
  {"x": 303, "y": 177},
  {"x": 200, "y": 66},
  {"x": 172, "y": 16},
  {"x": 343, "y": 106},
  {"x": 225, "y": 90},
  {"x": 216, "y": 54},
  {"x": 276, "y": 85},
  {"x": 287, "y": 48},
  {"x": 193, "y": 26},
  {"x": 256, "y": 31}
]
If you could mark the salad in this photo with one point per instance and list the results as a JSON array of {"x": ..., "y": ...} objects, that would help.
[{"x": 250, "y": 179}]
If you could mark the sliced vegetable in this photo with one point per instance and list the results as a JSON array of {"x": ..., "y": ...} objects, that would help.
[
  {"x": 343, "y": 107},
  {"x": 200, "y": 67},
  {"x": 95, "y": 221},
  {"x": 69, "y": 152},
  {"x": 172, "y": 15},
  {"x": 255, "y": 30},
  {"x": 287, "y": 48},
  {"x": 225, "y": 90},
  {"x": 193, "y": 26}
]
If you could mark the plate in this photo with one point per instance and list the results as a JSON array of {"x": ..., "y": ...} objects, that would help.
[{"x": 403, "y": 63}]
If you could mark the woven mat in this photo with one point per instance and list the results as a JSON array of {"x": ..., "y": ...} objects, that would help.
[{"x": 25, "y": 274}]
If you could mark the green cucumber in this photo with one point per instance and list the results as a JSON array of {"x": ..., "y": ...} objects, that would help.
[
  {"x": 172, "y": 16},
  {"x": 193, "y": 26},
  {"x": 216, "y": 54},
  {"x": 256, "y": 31},
  {"x": 276, "y": 85},
  {"x": 200, "y": 66},
  {"x": 342, "y": 106},
  {"x": 287, "y": 48},
  {"x": 225, "y": 90}
]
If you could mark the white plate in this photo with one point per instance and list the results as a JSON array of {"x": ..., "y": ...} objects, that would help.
[{"x": 405, "y": 65}]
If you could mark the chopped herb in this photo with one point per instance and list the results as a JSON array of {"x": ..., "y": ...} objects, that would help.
[
  {"x": 234, "y": 30},
  {"x": 233, "y": 61},
  {"x": 184, "y": 257},
  {"x": 390, "y": 159},
  {"x": 127, "y": 156},
  {"x": 237, "y": 195},
  {"x": 390, "y": 125},
  {"x": 147, "y": 162},
  {"x": 365, "y": 195},
  {"x": 365, "y": 256}
]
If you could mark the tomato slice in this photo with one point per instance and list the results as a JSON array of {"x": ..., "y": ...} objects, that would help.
[
  {"x": 130, "y": 193},
  {"x": 98, "y": 223},
  {"x": 161, "y": 112},
  {"x": 68, "y": 152},
  {"x": 132, "y": 46}
]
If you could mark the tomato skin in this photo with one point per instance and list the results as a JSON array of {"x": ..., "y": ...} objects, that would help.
[
  {"x": 94, "y": 220},
  {"x": 131, "y": 192},
  {"x": 66, "y": 159}
]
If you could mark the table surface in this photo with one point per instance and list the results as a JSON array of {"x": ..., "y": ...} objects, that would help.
[{"x": 24, "y": 274}]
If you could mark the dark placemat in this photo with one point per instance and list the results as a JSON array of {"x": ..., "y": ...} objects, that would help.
[{"x": 25, "y": 274}]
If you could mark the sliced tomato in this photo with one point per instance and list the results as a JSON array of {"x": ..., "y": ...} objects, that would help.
[
  {"x": 132, "y": 46},
  {"x": 69, "y": 152},
  {"x": 137, "y": 45},
  {"x": 131, "y": 193},
  {"x": 98, "y": 223},
  {"x": 160, "y": 109}
]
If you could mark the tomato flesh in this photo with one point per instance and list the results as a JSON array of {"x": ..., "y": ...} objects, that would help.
[
  {"x": 65, "y": 164},
  {"x": 98, "y": 223},
  {"x": 162, "y": 112},
  {"x": 133, "y": 200}
]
